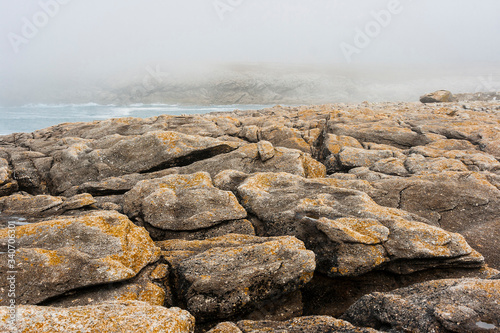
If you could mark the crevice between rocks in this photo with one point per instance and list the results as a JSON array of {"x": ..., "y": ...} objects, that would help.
[
  {"x": 190, "y": 158},
  {"x": 80, "y": 292}
]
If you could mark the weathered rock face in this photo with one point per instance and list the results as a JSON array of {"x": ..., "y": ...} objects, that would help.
[
  {"x": 74, "y": 252},
  {"x": 454, "y": 200},
  {"x": 408, "y": 184},
  {"x": 333, "y": 296},
  {"x": 42, "y": 205},
  {"x": 349, "y": 232},
  {"x": 283, "y": 136},
  {"x": 440, "y": 96},
  {"x": 355, "y": 157},
  {"x": 312, "y": 324},
  {"x": 472, "y": 159},
  {"x": 25, "y": 170},
  {"x": 151, "y": 285},
  {"x": 182, "y": 202},
  {"x": 381, "y": 132},
  {"x": 116, "y": 185},
  {"x": 84, "y": 162},
  {"x": 461, "y": 305},
  {"x": 265, "y": 268},
  {"x": 260, "y": 158},
  {"x": 463, "y": 202},
  {"x": 7, "y": 184},
  {"x": 112, "y": 317}
]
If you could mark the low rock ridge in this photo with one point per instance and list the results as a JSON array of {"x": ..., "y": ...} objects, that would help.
[{"x": 330, "y": 218}]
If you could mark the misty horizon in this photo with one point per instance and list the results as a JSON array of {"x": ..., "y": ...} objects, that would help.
[{"x": 69, "y": 51}]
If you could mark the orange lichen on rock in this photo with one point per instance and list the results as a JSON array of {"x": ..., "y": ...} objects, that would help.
[
  {"x": 110, "y": 317},
  {"x": 98, "y": 247}
]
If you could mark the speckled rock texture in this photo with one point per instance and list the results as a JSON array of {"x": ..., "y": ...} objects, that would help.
[
  {"x": 258, "y": 218},
  {"x": 117, "y": 155},
  {"x": 347, "y": 230},
  {"x": 182, "y": 202},
  {"x": 464, "y": 305},
  {"x": 225, "y": 276},
  {"x": 260, "y": 157},
  {"x": 74, "y": 252},
  {"x": 151, "y": 285},
  {"x": 7, "y": 184},
  {"x": 26, "y": 205},
  {"x": 313, "y": 324},
  {"x": 111, "y": 317}
]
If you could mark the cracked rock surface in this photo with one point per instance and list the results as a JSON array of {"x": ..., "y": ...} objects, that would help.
[
  {"x": 465, "y": 305},
  {"x": 267, "y": 220}
]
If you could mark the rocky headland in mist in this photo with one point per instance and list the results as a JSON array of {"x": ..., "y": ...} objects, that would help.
[{"x": 368, "y": 217}]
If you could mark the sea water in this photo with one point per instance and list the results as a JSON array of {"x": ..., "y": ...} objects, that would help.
[{"x": 29, "y": 118}]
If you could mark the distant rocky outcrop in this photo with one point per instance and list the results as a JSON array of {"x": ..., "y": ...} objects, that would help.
[
  {"x": 445, "y": 96},
  {"x": 382, "y": 215},
  {"x": 440, "y": 96},
  {"x": 478, "y": 96}
]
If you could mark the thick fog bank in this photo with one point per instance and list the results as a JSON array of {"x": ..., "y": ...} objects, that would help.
[
  {"x": 279, "y": 51},
  {"x": 257, "y": 84}
]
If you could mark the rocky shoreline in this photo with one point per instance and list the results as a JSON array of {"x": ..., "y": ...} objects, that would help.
[{"x": 366, "y": 217}]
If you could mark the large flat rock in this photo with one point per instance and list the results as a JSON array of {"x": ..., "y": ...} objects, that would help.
[
  {"x": 74, "y": 252},
  {"x": 229, "y": 275},
  {"x": 90, "y": 161},
  {"x": 182, "y": 203},
  {"x": 27, "y": 205},
  {"x": 463, "y": 202},
  {"x": 347, "y": 230},
  {"x": 111, "y": 317}
]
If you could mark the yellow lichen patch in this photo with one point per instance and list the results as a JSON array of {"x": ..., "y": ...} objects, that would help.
[
  {"x": 119, "y": 316},
  {"x": 313, "y": 168},
  {"x": 149, "y": 293},
  {"x": 306, "y": 277},
  {"x": 159, "y": 272},
  {"x": 124, "y": 120},
  {"x": 430, "y": 242},
  {"x": 51, "y": 258},
  {"x": 358, "y": 259},
  {"x": 85, "y": 199},
  {"x": 36, "y": 228},
  {"x": 308, "y": 202},
  {"x": 75, "y": 149},
  {"x": 114, "y": 270},
  {"x": 153, "y": 294},
  {"x": 137, "y": 248},
  {"x": 178, "y": 182},
  {"x": 339, "y": 270},
  {"x": 264, "y": 181},
  {"x": 168, "y": 138},
  {"x": 365, "y": 231}
]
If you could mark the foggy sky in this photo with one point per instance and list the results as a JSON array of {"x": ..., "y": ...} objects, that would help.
[{"x": 80, "y": 41}]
